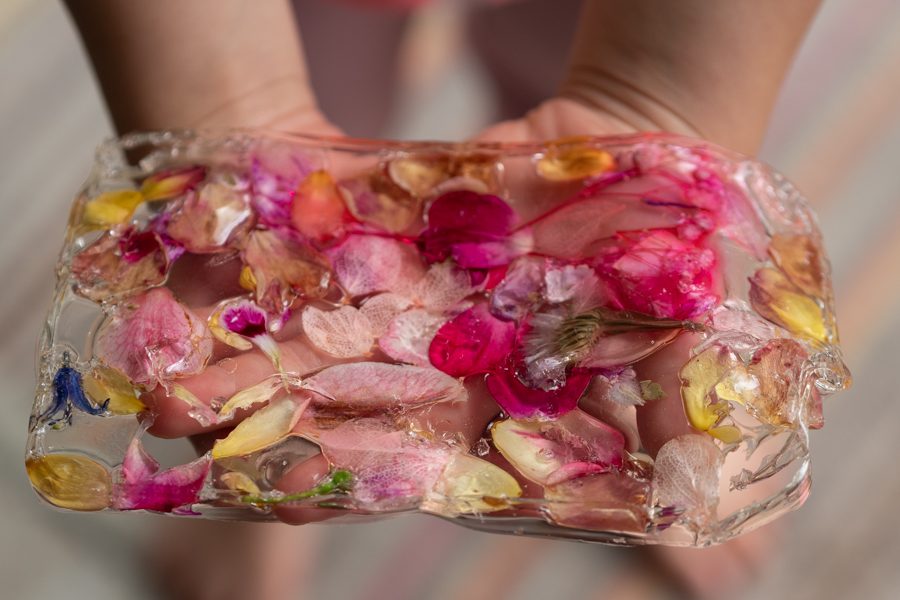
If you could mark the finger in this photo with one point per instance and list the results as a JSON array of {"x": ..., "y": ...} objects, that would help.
[
  {"x": 304, "y": 476},
  {"x": 662, "y": 419}
]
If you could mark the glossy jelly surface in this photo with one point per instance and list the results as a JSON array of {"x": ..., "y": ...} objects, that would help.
[{"x": 623, "y": 339}]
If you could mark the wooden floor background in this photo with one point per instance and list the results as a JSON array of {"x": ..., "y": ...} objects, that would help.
[{"x": 836, "y": 133}]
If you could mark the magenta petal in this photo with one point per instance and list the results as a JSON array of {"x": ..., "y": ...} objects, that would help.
[
  {"x": 522, "y": 402},
  {"x": 245, "y": 319},
  {"x": 143, "y": 487},
  {"x": 655, "y": 273},
  {"x": 473, "y": 342},
  {"x": 275, "y": 173},
  {"x": 153, "y": 338},
  {"x": 462, "y": 218}
]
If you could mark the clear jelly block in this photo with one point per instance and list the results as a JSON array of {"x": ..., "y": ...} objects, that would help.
[{"x": 624, "y": 340}]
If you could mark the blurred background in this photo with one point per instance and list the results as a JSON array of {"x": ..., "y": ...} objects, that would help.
[{"x": 835, "y": 132}]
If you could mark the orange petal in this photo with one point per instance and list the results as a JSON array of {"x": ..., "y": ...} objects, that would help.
[
  {"x": 567, "y": 160},
  {"x": 801, "y": 260}
]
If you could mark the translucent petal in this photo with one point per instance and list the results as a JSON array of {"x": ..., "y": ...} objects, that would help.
[
  {"x": 379, "y": 202},
  {"x": 106, "y": 383},
  {"x": 318, "y": 210},
  {"x": 263, "y": 391},
  {"x": 211, "y": 219},
  {"x": 262, "y": 429},
  {"x": 800, "y": 258},
  {"x": 284, "y": 269},
  {"x": 344, "y": 332},
  {"x": 443, "y": 287},
  {"x": 611, "y": 501},
  {"x": 777, "y": 368},
  {"x": 471, "y": 485},
  {"x": 153, "y": 338},
  {"x": 117, "y": 266},
  {"x": 239, "y": 482},
  {"x": 698, "y": 379},
  {"x": 521, "y": 290},
  {"x": 550, "y": 452},
  {"x": 774, "y": 297},
  {"x": 164, "y": 185},
  {"x": 70, "y": 481},
  {"x": 371, "y": 386},
  {"x": 568, "y": 161},
  {"x": 144, "y": 487},
  {"x": 409, "y": 336},
  {"x": 364, "y": 264},
  {"x": 381, "y": 309},
  {"x": 686, "y": 475},
  {"x": 111, "y": 208}
]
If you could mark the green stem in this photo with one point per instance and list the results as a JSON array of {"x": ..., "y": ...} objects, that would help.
[{"x": 339, "y": 481}]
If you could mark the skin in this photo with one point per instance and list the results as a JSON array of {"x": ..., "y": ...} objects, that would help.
[{"x": 692, "y": 67}]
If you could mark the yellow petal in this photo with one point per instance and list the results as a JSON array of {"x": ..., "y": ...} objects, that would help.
[
  {"x": 738, "y": 385},
  {"x": 169, "y": 184},
  {"x": 111, "y": 208},
  {"x": 570, "y": 161},
  {"x": 214, "y": 322},
  {"x": 240, "y": 482},
  {"x": 106, "y": 383},
  {"x": 70, "y": 481},
  {"x": 698, "y": 378},
  {"x": 247, "y": 280},
  {"x": 774, "y": 297},
  {"x": 262, "y": 429},
  {"x": 470, "y": 484},
  {"x": 727, "y": 433},
  {"x": 520, "y": 443},
  {"x": 800, "y": 257},
  {"x": 261, "y": 392}
]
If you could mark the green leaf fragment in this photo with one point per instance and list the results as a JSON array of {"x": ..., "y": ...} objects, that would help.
[
  {"x": 338, "y": 482},
  {"x": 650, "y": 390}
]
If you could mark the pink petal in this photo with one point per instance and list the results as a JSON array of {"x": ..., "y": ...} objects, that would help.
[
  {"x": 626, "y": 348},
  {"x": 551, "y": 452},
  {"x": 391, "y": 468},
  {"x": 284, "y": 268},
  {"x": 344, "y": 332},
  {"x": 655, "y": 273},
  {"x": 318, "y": 210},
  {"x": 573, "y": 282},
  {"x": 473, "y": 342},
  {"x": 521, "y": 291},
  {"x": 144, "y": 488},
  {"x": 381, "y": 309},
  {"x": 409, "y": 336},
  {"x": 276, "y": 171},
  {"x": 443, "y": 287},
  {"x": 153, "y": 338},
  {"x": 365, "y": 264},
  {"x": 372, "y": 387},
  {"x": 211, "y": 218},
  {"x": 381, "y": 204},
  {"x": 464, "y": 217},
  {"x": 522, "y": 402},
  {"x": 172, "y": 183},
  {"x": 606, "y": 502},
  {"x": 116, "y": 266}
]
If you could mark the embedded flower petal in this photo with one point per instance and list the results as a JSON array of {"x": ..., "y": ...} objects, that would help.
[
  {"x": 523, "y": 402},
  {"x": 409, "y": 336},
  {"x": 572, "y": 282},
  {"x": 800, "y": 258},
  {"x": 211, "y": 218},
  {"x": 318, "y": 210},
  {"x": 371, "y": 386},
  {"x": 577, "y": 231},
  {"x": 521, "y": 290},
  {"x": 144, "y": 488},
  {"x": 263, "y": 391},
  {"x": 197, "y": 409},
  {"x": 423, "y": 176},
  {"x": 603, "y": 400},
  {"x": 550, "y": 452},
  {"x": 443, "y": 287},
  {"x": 111, "y": 208},
  {"x": 604, "y": 502},
  {"x": 381, "y": 309},
  {"x": 391, "y": 467},
  {"x": 153, "y": 338},
  {"x": 686, "y": 475},
  {"x": 776, "y": 368},
  {"x": 474, "y": 341},
  {"x": 284, "y": 269},
  {"x": 465, "y": 217},
  {"x": 655, "y": 273},
  {"x": 571, "y": 161},
  {"x": 698, "y": 380},
  {"x": 774, "y": 297},
  {"x": 471, "y": 485},
  {"x": 165, "y": 185},
  {"x": 70, "y": 481},
  {"x": 105, "y": 384},
  {"x": 115, "y": 266},
  {"x": 266, "y": 427},
  {"x": 379, "y": 202},
  {"x": 344, "y": 332},
  {"x": 240, "y": 482},
  {"x": 364, "y": 264}
]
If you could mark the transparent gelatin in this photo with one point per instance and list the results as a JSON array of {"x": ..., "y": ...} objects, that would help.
[{"x": 624, "y": 340}]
